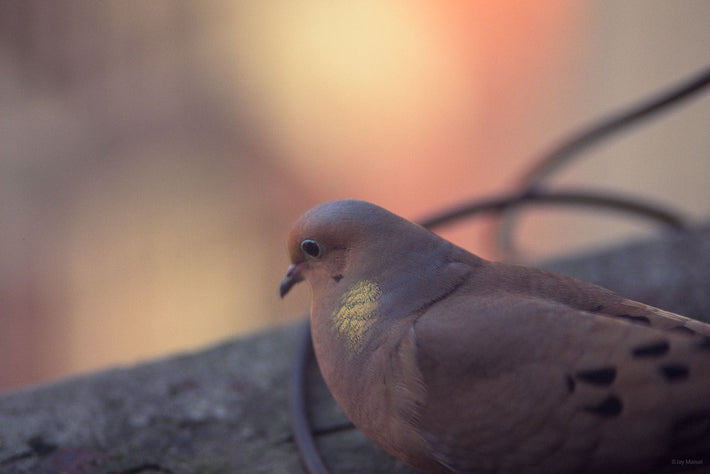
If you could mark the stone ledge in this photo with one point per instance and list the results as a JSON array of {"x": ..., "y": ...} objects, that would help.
[{"x": 224, "y": 409}]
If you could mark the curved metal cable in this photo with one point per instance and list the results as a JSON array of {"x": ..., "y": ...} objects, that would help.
[
  {"x": 576, "y": 198},
  {"x": 297, "y": 405},
  {"x": 554, "y": 159}
]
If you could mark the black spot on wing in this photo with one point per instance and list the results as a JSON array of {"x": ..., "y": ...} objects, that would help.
[
  {"x": 40, "y": 446},
  {"x": 634, "y": 319},
  {"x": 674, "y": 372},
  {"x": 603, "y": 376},
  {"x": 337, "y": 277},
  {"x": 654, "y": 349},
  {"x": 570, "y": 383},
  {"x": 610, "y": 407}
]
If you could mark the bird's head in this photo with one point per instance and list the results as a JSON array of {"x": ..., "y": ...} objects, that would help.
[{"x": 334, "y": 236}]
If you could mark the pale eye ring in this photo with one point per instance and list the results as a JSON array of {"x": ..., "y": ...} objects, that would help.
[{"x": 312, "y": 248}]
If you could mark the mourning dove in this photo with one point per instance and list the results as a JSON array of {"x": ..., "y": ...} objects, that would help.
[{"x": 454, "y": 363}]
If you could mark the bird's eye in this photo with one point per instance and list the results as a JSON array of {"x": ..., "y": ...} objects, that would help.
[{"x": 311, "y": 248}]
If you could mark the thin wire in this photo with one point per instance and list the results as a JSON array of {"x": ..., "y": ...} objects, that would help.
[
  {"x": 302, "y": 431},
  {"x": 551, "y": 161},
  {"x": 499, "y": 204},
  {"x": 561, "y": 155}
]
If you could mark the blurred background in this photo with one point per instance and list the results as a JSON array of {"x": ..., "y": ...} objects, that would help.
[{"x": 154, "y": 154}]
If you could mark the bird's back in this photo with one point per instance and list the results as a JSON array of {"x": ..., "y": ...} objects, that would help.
[{"x": 539, "y": 372}]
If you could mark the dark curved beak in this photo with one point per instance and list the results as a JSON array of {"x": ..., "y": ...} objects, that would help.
[{"x": 293, "y": 276}]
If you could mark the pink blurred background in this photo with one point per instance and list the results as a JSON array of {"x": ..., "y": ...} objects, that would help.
[{"x": 153, "y": 155}]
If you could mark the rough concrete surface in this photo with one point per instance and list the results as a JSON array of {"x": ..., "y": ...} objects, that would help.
[{"x": 224, "y": 409}]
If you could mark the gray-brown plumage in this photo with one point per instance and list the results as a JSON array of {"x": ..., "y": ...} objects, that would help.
[{"x": 454, "y": 363}]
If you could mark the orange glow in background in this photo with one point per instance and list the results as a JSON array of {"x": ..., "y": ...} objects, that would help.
[
  {"x": 154, "y": 155},
  {"x": 365, "y": 97}
]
